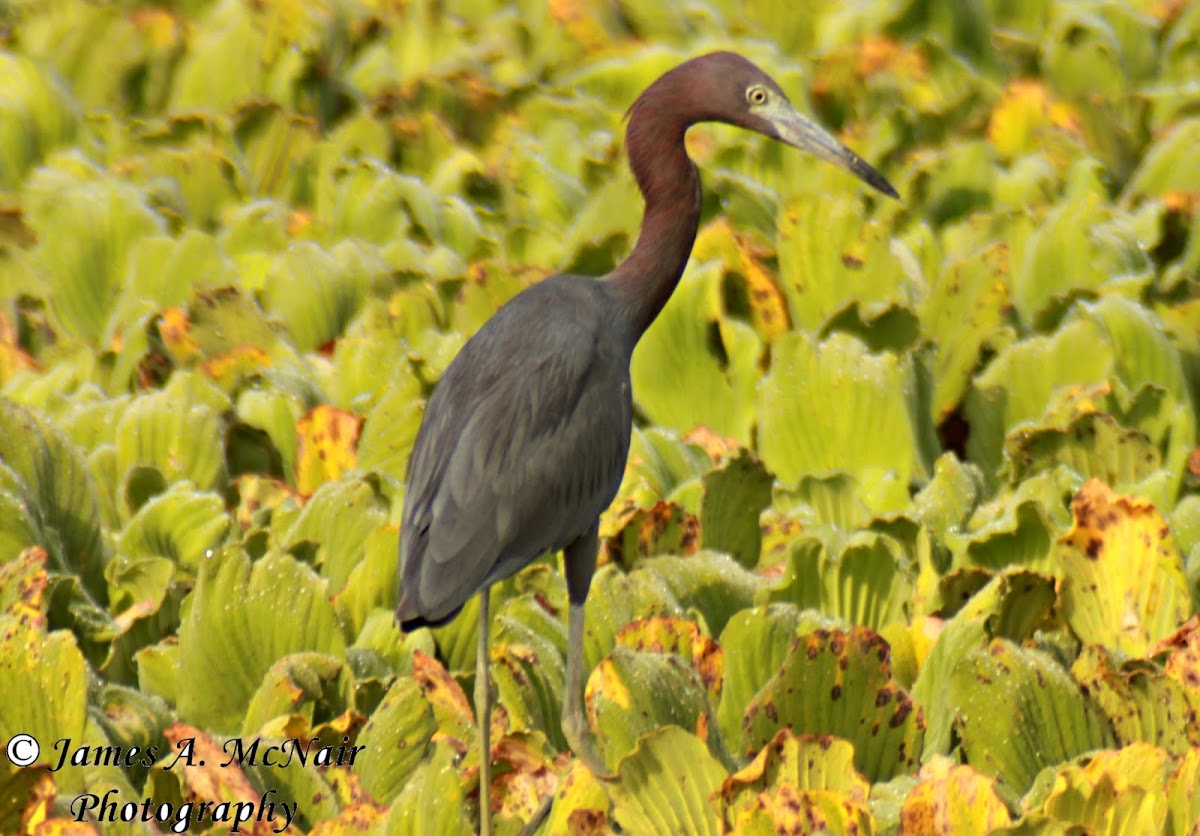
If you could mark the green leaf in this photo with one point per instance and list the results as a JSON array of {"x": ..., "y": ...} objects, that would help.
[
  {"x": 839, "y": 683},
  {"x": 734, "y": 495},
  {"x": 1142, "y": 353},
  {"x": 158, "y": 670},
  {"x": 274, "y": 412},
  {"x": 164, "y": 273},
  {"x": 224, "y": 64},
  {"x": 397, "y": 738},
  {"x": 1081, "y": 246},
  {"x": 333, "y": 526},
  {"x": 50, "y": 493},
  {"x": 1170, "y": 164},
  {"x": 831, "y": 259},
  {"x": 274, "y": 144},
  {"x": 1010, "y": 605},
  {"x": 799, "y": 435},
  {"x": 312, "y": 686},
  {"x": 222, "y": 320},
  {"x": 44, "y": 682},
  {"x": 615, "y": 600},
  {"x": 845, "y": 501},
  {"x": 371, "y": 584},
  {"x": 1018, "y": 712},
  {"x": 87, "y": 223},
  {"x": 961, "y": 312},
  {"x": 390, "y": 430},
  {"x": 316, "y": 292},
  {"x": 36, "y": 115},
  {"x": 945, "y": 503},
  {"x": 664, "y": 785},
  {"x": 632, "y": 693},
  {"x": 709, "y": 586},
  {"x": 695, "y": 346},
  {"x": 179, "y": 440},
  {"x": 755, "y": 642},
  {"x": 1019, "y": 384},
  {"x": 182, "y": 525},
  {"x": 867, "y": 583},
  {"x": 241, "y": 620},
  {"x": 1093, "y": 445},
  {"x": 528, "y": 668},
  {"x": 1017, "y": 528},
  {"x": 432, "y": 802},
  {"x": 1142, "y": 702}
]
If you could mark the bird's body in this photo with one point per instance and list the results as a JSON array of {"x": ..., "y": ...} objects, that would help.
[
  {"x": 524, "y": 441},
  {"x": 543, "y": 382}
]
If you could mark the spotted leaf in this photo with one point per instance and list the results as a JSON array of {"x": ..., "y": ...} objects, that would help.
[
  {"x": 326, "y": 446},
  {"x": 1123, "y": 580},
  {"x": 798, "y": 784},
  {"x": 839, "y": 682}
]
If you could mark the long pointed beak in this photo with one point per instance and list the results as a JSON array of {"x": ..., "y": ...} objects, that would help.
[{"x": 807, "y": 135}]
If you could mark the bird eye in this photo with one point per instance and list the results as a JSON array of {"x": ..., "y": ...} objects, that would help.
[{"x": 756, "y": 95}]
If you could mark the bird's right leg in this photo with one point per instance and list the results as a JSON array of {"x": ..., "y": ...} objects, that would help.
[
  {"x": 483, "y": 714},
  {"x": 579, "y": 559}
]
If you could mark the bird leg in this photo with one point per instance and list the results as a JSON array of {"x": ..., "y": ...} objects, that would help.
[
  {"x": 579, "y": 561},
  {"x": 574, "y": 720},
  {"x": 483, "y": 716}
]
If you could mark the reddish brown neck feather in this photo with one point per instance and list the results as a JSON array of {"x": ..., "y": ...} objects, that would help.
[{"x": 670, "y": 185}]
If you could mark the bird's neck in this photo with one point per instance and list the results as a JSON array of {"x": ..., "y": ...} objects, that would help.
[{"x": 670, "y": 185}]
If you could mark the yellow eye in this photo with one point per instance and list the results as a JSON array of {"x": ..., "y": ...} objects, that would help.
[{"x": 756, "y": 95}]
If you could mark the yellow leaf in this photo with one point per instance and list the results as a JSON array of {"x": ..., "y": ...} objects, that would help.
[
  {"x": 327, "y": 446},
  {"x": 226, "y": 369},
  {"x": 663, "y": 634},
  {"x": 357, "y": 818},
  {"x": 256, "y": 493},
  {"x": 1183, "y": 660},
  {"x": 176, "y": 333},
  {"x": 24, "y": 581},
  {"x": 449, "y": 702},
  {"x": 581, "y": 806},
  {"x": 1118, "y": 791},
  {"x": 951, "y": 798},
  {"x": 889, "y": 57},
  {"x": 767, "y": 304},
  {"x": 158, "y": 26},
  {"x": 798, "y": 784},
  {"x": 1123, "y": 579},
  {"x": 605, "y": 680},
  {"x": 525, "y": 776},
  {"x": 1023, "y": 116},
  {"x": 207, "y": 774}
]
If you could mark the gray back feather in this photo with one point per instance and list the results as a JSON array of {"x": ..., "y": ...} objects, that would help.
[{"x": 523, "y": 444}]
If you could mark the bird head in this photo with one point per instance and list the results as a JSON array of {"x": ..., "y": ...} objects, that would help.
[{"x": 735, "y": 91}]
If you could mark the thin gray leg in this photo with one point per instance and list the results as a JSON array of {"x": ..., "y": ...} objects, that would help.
[
  {"x": 483, "y": 715},
  {"x": 579, "y": 559}
]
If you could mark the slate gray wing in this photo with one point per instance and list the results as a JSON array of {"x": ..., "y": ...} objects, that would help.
[{"x": 522, "y": 446}]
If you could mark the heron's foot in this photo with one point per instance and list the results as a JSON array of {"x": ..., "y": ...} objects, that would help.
[{"x": 579, "y": 738}]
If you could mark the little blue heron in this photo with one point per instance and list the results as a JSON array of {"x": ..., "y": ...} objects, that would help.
[{"x": 524, "y": 440}]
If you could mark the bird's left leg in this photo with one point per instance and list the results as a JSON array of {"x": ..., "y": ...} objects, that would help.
[
  {"x": 579, "y": 559},
  {"x": 483, "y": 715}
]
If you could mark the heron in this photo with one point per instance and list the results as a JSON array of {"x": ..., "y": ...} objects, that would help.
[{"x": 524, "y": 439}]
